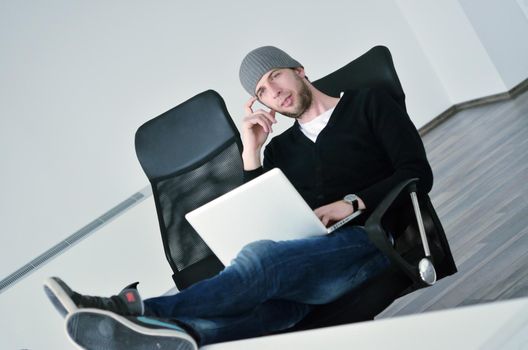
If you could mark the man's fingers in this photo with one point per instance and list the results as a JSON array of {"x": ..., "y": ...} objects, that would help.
[
  {"x": 260, "y": 120},
  {"x": 249, "y": 104},
  {"x": 266, "y": 114},
  {"x": 323, "y": 215},
  {"x": 263, "y": 117},
  {"x": 266, "y": 124}
]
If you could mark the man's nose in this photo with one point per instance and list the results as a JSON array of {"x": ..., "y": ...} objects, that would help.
[{"x": 276, "y": 91}]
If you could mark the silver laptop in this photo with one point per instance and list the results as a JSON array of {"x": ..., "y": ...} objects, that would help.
[{"x": 268, "y": 207}]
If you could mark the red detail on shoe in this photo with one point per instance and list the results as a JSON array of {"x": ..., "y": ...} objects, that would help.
[{"x": 130, "y": 297}]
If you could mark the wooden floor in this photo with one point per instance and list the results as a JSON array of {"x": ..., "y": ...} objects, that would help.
[{"x": 480, "y": 164}]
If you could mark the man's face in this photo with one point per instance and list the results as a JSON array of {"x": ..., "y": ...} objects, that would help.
[{"x": 285, "y": 91}]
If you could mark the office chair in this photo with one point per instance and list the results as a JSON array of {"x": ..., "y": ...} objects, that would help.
[
  {"x": 191, "y": 155},
  {"x": 420, "y": 254}
]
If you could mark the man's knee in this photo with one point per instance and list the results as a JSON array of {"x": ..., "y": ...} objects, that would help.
[
  {"x": 258, "y": 250},
  {"x": 254, "y": 257}
]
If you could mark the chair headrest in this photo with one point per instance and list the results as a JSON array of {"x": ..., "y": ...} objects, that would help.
[
  {"x": 374, "y": 68},
  {"x": 184, "y": 135}
]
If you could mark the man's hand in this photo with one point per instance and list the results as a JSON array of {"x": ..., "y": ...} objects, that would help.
[
  {"x": 256, "y": 127},
  {"x": 333, "y": 212},
  {"x": 337, "y": 211}
]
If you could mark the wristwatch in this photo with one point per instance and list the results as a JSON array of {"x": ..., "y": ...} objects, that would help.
[{"x": 352, "y": 199}]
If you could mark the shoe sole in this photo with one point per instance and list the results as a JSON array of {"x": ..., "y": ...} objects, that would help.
[
  {"x": 96, "y": 329},
  {"x": 59, "y": 297}
]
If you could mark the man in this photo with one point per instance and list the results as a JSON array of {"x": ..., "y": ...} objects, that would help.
[{"x": 342, "y": 154}]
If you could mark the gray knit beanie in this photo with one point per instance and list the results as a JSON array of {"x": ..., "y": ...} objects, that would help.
[{"x": 260, "y": 61}]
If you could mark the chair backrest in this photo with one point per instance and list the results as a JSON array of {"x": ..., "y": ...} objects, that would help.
[
  {"x": 374, "y": 68},
  {"x": 191, "y": 155}
]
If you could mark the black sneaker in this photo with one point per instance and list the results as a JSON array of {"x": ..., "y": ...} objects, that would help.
[
  {"x": 128, "y": 302},
  {"x": 100, "y": 329}
]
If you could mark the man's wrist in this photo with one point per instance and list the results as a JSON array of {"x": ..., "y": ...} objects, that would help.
[
  {"x": 251, "y": 160},
  {"x": 353, "y": 200},
  {"x": 362, "y": 205}
]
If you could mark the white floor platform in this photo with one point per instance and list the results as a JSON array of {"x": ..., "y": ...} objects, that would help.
[{"x": 499, "y": 325}]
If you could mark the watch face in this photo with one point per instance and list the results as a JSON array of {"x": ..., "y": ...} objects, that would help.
[{"x": 350, "y": 197}]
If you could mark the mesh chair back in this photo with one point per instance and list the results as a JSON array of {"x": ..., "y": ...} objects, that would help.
[{"x": 191, "y": 155}]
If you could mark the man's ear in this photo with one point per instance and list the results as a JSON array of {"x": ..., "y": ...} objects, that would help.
[{"x": 299, "y": 71}]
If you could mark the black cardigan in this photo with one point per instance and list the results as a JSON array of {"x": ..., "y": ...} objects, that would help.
[{"x": 368, "y": 146}]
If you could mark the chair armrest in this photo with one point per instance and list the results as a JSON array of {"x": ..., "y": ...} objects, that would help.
[{"x": 379, "y": 237}]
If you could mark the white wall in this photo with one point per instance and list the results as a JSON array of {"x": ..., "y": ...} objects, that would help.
[
  {"x": 453, "y": 48},
  {"x": 78, "y": 78},
  {"x": 124, "y": 251},
  {"x": 502, "y": 28}
]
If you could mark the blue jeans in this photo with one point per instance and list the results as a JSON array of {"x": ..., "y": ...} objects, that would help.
[{"x": 271, "y": 286}]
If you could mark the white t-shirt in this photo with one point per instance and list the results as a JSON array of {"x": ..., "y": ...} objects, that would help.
[{"x": 312, "y": 128}]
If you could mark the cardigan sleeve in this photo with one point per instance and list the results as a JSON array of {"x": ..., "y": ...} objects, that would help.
[
  {"x": 252, "y": 174},
  {"x": 267, "y": 165},
  {"x": 397, "y": 136}
]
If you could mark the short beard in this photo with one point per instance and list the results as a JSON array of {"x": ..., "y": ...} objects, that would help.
[{"x": 305, "y": 101}]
